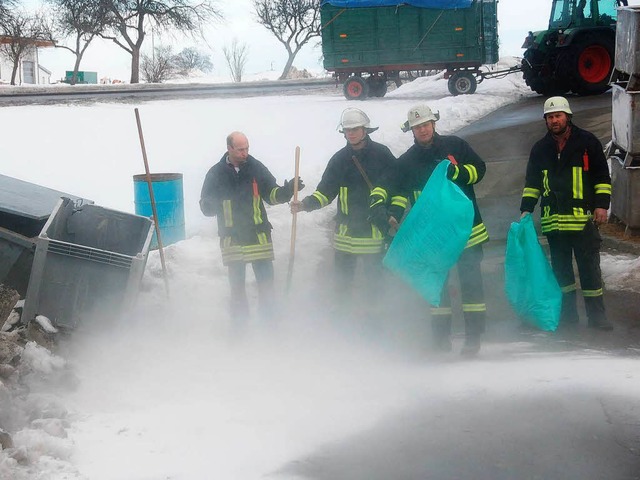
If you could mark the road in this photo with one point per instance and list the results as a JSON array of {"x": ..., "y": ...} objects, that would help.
[{"x": 541, "y": 433}]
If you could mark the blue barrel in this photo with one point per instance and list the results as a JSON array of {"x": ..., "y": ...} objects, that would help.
[{"x": 169, "y": 197}]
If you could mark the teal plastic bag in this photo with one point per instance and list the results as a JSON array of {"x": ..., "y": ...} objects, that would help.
[
  {"x": 432, "y": 236},
  {"x": 530, "y": 285}
]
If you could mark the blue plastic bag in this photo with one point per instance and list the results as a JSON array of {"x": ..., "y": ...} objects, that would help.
[
  {"x": 529, "y": 283},
  {"x": 433, "y": 236}
]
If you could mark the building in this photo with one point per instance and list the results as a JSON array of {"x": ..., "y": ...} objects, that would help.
[{"x": 30, "y": 72}]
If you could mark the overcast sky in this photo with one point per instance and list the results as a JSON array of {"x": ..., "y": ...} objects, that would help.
[{"x": 516, "y": 18}]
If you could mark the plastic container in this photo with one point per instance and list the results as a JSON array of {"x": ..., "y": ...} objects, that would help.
[
  {"x": 88, "y": 264},
  {"x": 169, "y": 197}
]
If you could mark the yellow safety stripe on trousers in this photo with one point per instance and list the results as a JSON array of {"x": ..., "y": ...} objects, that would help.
[
  {"x": 399, "y": 201},
  {"x": 474, "y": 307},
  {"x": 381, "y": 192},
  {"x": 478, "y": 235},
  {"x": 441, "y": 311},
  {"x": 603, "y": 188},
  {"x": 344, "y": 205},
  {"x": 545, "y": 183},
  {"x": 578, "y": 192},
  {"x": 568, "y": 288},
  {"x": 456, "y": 172},
  {"x": 324, "y": 201},
  {"x": 473, "y": 174},
  {"x": 272, "y": 195},
  {"x": 592, "y": 293},
  {"x": 531, "y": 193},
  {"x": 563, "y": 223},
  {"x": 356, "y": 245},
  {"x": 228, "y": 216},
  {"x": 246, "y": 253},
  {"x": 257, "y": 214}
]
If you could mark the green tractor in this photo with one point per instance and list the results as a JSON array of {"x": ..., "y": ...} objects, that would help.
[{"x": 577, "y": 52}]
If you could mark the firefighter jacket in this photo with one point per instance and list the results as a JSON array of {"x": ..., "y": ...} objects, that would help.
[
  {"x": 354, "y": 231},
  {"x": 405, "y": 184},
  {"x": 236, "y": 198},
  {"x": 570, "y": 184}
]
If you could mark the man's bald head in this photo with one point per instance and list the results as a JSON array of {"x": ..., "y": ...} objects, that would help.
[{"x": 237, "y": 148}]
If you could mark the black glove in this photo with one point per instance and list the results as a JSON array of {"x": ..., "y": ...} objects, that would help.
[
  {"x": 288, "y": 186},
  {"x": 380, "y": 218}
]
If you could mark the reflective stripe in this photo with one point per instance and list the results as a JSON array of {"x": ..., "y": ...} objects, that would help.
[
  {"x": 381, "y": 192},
  {"x": 456, "y": 172},
  {"x": 246, "y": 253},
  {"x": 474, "y": 307},
  {"x": 399, "y": 201},
  {"x": 473, "y": 174},
  {"x": 578, "y": 212},
  {"x": 578, "y": 192},
  {"x": 441, "y": 311},
  {"x": 416, "y": 194},
  {"x": 377, "y": 202},
  {"x": 228, "y": 216},
  {"x": 603, "y": 188},
  {"x": 272, "y": 195},
  {"x": 345, "y": 243},
  {"x": 592, "y": 293},
  {"x": 564, "y": 223},
  {"x": 478, "y": 235},
  {"x": 257, "y": 214},
  {"x": 545, "y": 183},
  {"x": 568, "y": 288},
  {"x": 324, "y": 201},
  {"x": 376, "y": 233},
  {"x": 531, "y": 193},
  {"x": 344, "y": 205}
]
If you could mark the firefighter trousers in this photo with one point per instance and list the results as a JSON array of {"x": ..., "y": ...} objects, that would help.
[
  {"x": 345, "y": 268},
  {"x": 585, "y": 247},
  {"x": 472, "y": 297},
  {"x": 263, "y": 271}
]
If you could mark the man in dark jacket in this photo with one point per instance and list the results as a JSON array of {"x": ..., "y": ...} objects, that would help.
[
  {"x": 234, "y": 190},
  {"x": 568, "y": 172},
  {"x": 350, "y": 175},
  {"x": 404, "y": 187}
]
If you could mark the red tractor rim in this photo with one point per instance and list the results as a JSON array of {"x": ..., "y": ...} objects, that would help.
[
  {"x": 594, "y": 64},
  {"x": 354, "y": 89}
]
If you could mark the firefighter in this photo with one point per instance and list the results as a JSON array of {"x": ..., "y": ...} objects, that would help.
[
  {"x": 568, "y": 173},
  {"x": 402, "y": 189},
  {"x": 349, "y": 175},
  {"x": 234, "y": 190}
]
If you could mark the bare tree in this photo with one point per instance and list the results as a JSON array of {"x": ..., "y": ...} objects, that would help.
[
  {"x": 80, "y": 20},
  {"x": 5, "y": 5},
  {"x": 158, "y": 67},
  {"x": 191, "y": 59},
  {"x": 293, "y": 22},
  {"x": 25, "y": 31},
  {"x": 128, "y": 18},
  {"x": 236, "y": 57}
]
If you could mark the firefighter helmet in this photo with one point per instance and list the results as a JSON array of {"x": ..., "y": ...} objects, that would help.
[
  {"x": 557, "y": 104},
  {"x": 418, "y": 115},
  {"x": 354, "y": 118}
]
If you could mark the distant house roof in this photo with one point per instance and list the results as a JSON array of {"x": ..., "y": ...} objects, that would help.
[
  {"x": 40, "y": 67},
  {"x": 38, "y": 43}
]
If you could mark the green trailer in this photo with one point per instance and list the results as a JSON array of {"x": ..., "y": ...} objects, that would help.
[{"x": 367, "y": 43}]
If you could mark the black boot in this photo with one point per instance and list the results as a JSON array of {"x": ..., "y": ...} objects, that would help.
[
  {"x": 596, "y": 315},
  {"x": 471, "y": 346}
]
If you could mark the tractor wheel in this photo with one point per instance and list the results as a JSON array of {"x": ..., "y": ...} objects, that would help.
[
  {"x": 592, "y": 66},
  {"x": 377, "y": 86},
  {"x": 544, "y": 73},
  {"x": 355, "y": 88},
  {"x": 462, "y": 83}
]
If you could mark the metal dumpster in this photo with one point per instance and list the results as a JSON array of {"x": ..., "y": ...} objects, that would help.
[
  {"x": 24, "y": 209},
  {"x": 88, "y": 264}
]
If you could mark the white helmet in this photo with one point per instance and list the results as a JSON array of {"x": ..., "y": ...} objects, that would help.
[
  {"x": 418, "y": 115},
  {"x": 354, "y": 118},
  {"x": 557, "y": 104}
]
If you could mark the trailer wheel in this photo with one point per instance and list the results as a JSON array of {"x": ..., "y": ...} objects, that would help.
[
  {"x": 377, "y": 86},
  {"x": 462, "y": 83},
  {"x": 593, "y": 65},
  {"x": 355, "y": 88}
]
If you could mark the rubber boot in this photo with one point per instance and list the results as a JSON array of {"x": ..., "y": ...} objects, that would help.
[{"x": 596, "y": 315}]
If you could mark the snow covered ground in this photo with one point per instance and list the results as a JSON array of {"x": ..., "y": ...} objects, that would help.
[{"x": 171, "y": 394}]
